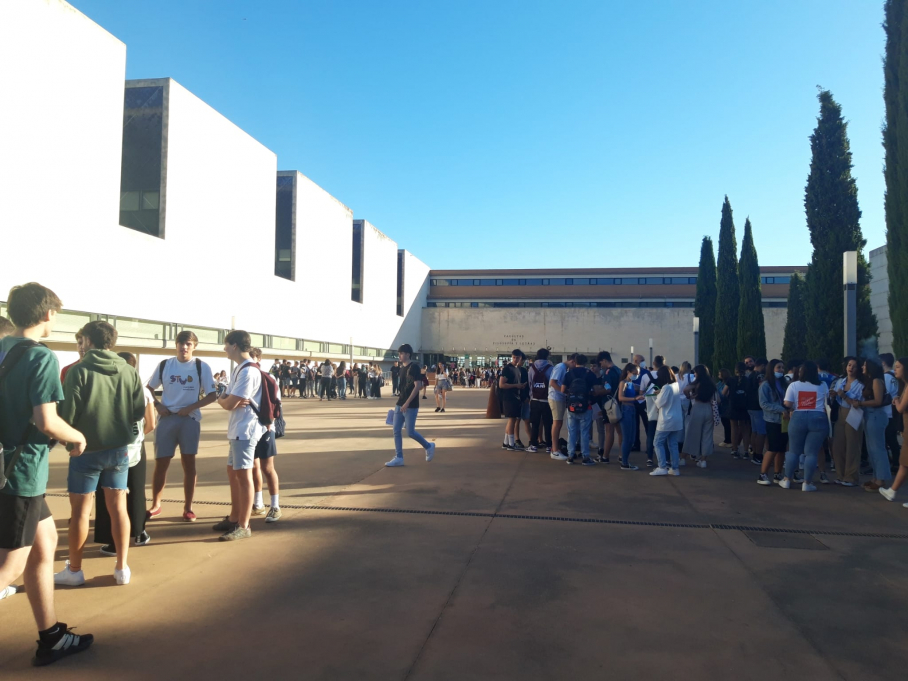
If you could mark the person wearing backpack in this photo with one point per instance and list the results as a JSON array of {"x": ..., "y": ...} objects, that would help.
[
  {"x": 243, "y": 400},
  {"x": 539, "y": 374},
  {"x": 30, "y": 389},
  {"x": 578, "y": 386},
  {"x": 186, "y": 385},
  {"x": 265, "y": 453}
]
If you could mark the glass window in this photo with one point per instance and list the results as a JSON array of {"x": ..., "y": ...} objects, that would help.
[
  {"x": 212, "y": 336},
  {"x": 556, "y": 282},
  {"x": 258, "y": 340},
  {"x": 139, "y": 329},
  {"x": 534, "y": 282},
  {"x": 521, "y": 282},
  {"x": 510, "y": 282},
  {"x": 486, "y": 282},
  {"x": 692, "y": 280},
  {"x": 584, "y": 282},
  {"x": 142, "y": 161},
  {"x": 356, "y": 288},
  {"x": 616, "y": 282},
  {"x": 476, "y": 282},
  {"x": 568, "y": 282},
  {"x": 440, "y": 282},
  {"x": 283, "y": 229},
  {"x": 312, "y": 346},
  {"x": 283, "y": 343},
  {"x": 400, "y": 283},
  {"x": 338, "y": 349},
  {"x": 431, "y": 304},
  {"x": 466, "y": 282},
  {"x": 652, "y": 280},
  {"x": 474, "y": 304}
]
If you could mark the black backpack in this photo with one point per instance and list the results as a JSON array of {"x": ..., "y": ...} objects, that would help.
[
  {"x": 739, "y": 394},
  {"x": 578, "y": 397}
]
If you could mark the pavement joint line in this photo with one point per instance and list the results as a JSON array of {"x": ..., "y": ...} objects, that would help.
[{"x": 564, "y": 519}]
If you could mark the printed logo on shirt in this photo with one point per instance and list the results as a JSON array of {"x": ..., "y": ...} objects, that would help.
[
  {"x": 181, "y": 381},
  {"x": 807, "y": 401}
]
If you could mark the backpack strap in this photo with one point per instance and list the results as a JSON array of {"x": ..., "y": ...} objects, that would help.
[{"x": 161, "y": 372}]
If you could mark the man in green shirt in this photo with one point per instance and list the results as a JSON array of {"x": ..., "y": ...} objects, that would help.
[{"x": 28, "y": 420}]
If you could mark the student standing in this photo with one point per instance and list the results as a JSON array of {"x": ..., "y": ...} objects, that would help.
[
  {"x": 579, "y": 384},
  {"x": 186, "y": 386},
  {"x": 510, "y": 387},
  {"x": 407, "y": 409},
  {"x": 772, "y": 395},
  {"x": 264, "y": 468},
  {"x": 809, "y": 426},
  {"x": 757, "y": 425},
  {"x": 103, "y": 398},
  {"x": 892, "y": 387},
  {"x": 242, "y": 400},
  {"x": 135, "y": 482},
  {"x": 395, "y": 378},
  {"x": 628, "y": 398},
  {"x": 557, "y": 406},
  {"x": 611, "y": 378},
  {"x": 28, "y": 421},
  {"x": 669, "y": 423},
  {"x": 846, "y": 443},
  {"x": 540, "y": 373},
  {"x": 698, "y": 438},
  {"x": 874, "y": 402},
  {"x": 740, "y": 419},
  {"x": 342, "y": 381},
  {"x": 901, "y": 408}
]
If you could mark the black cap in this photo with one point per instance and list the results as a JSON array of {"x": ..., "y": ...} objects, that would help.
[{"x": 405, "y": 348}]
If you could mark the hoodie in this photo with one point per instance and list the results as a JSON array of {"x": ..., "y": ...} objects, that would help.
[
  {"x": 103, "y": 399},
  {"x": 544, "y": 367}
]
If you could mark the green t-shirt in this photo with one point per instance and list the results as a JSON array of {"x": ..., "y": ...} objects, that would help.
[{"x": 34, "y": 380}]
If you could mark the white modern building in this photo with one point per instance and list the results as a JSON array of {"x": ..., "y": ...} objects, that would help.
[{"x": 879, "y": 296}]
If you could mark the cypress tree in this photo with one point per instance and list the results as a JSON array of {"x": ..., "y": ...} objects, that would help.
[
  {"x": 705, "y": 303},
  {"x": 895, "y": 144},
  {"x": 726, "y": 320},
  {"x": 833, "y": 218},
  {"x": 751, "y": 336},
  {"x": 795, "y": 344}
]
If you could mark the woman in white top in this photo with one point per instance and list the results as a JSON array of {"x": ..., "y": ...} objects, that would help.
[
  {"x": 846, "y": 441},
  {"x": 441, "y": 387},
  {"x": 809, "y": 425},
  {"x": 670, "y": 422}
]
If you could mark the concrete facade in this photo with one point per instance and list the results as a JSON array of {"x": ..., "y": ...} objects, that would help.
[
  {"x": 489, "y": 332},
  {"x": 879, "y": 296}
]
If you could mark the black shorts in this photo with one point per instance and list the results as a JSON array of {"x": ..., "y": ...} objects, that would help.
[
  {"x": 776, "y": 440},
  {"x": 266, "y": 448},
  {"x": 19, "y": 518},
  {"x": 511, "y": 408}
]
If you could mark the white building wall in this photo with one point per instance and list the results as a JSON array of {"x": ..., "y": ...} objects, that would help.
[
  {"x": 61, "y": 131},
  {"x": 416, "y": 290},
  {"x": 494, "y": 331},
  {"x": 879, "y": 296}
]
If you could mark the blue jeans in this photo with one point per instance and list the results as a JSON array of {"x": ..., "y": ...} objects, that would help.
[
  {"x": 342, "y": 388},
  {"x": 875, "y": 422},
  {"x": 667, "y": 447},
  {"x": 579, "y": 426},
  {"x": 406, "y": 419},
  {"x": 807, "y": 431},
  {"x": 628, "y": 431},
  {"x": 105, "y": 468}
]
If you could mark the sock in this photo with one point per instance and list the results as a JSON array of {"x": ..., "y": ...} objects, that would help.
[
  {"x": 49, "y": 637},
  {"x": 258, "y": 499},
  {"x": 512, "y": 440},
  {"x": 274, "y": 502}
]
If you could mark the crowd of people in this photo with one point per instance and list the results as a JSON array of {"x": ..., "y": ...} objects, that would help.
[{"x": 791, "y": 419}]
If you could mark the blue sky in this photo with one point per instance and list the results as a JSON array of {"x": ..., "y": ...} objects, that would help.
[{"x": 486, "y": 134}]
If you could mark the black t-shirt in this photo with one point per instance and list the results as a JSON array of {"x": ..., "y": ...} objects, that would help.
[
  {"x": 525, "y": 379},
  {"x": 753, "y": 390},
  {"x": 285, "y": 371},
  {"x": 611, "y": 379},
  {"x": 395, "y": 371},
  {"x": 511, "y": 376},
  {"x": 411, "y": 374}
]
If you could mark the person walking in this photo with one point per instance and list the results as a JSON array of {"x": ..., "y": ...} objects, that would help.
[
  {"x": 104, "y": 399},
  {"x": 809, "y": 425},
  {"x": 698, "y": 439},
  {"x": 442, "y": 385},
  {"x": 28, "y": 422},
  {"x": 407, "y": 408},
  {"x": 135, "y": 482},
  {"x": 669, "y": 422}
]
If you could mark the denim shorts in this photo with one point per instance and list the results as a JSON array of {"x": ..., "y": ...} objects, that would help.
[
  {"x": 242, "y": 454},
  {"x": 525, "y": 411},
  {"x": 757, "y": 422},
  {"x": 106, "y": 468}
]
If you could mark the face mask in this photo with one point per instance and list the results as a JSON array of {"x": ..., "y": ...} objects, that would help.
[
  {"x": 779, "y": 374},
  {"x": 643, "y": 364}
]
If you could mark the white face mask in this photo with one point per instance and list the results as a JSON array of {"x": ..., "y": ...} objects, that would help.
[{"x": 643, "y": 364}]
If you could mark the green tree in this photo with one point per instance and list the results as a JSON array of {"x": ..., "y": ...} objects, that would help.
[
  {"x": 795, "y": 344},
  {"x": 726, "y": 321},
  {"x": 751, "y": 336},
  {"x": 833, "y": 218},
  {"x": 895, "y": 144},
  {"x": 705, "y": 303}
]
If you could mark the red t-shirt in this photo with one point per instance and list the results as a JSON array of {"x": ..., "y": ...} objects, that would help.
[{"x": 65, "y": 369}]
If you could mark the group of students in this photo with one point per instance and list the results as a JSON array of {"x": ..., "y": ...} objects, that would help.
[
  {"x": 99, "y": 407},
  {"x": 786, "y": 419},
  {"x": 331, "y": 381}
]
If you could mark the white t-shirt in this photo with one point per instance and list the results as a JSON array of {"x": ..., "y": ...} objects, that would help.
[
  {"x": 181, "y": 384},
  {"x": 134, "y": 450},
  {"x": 807, "y": 396},
  {"x": 247, "y": 384},
  {"x": 327, "y": 371}
]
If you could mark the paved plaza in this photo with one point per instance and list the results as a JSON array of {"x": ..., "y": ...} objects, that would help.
[{"x": 487, "y": 564}]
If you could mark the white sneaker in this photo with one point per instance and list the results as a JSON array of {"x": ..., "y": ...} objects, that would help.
[
  {"x": 558, "y": 456},
  {"x": 67, "y": 577},
  {"x": 701, "y": 463},
  {"x": 122, "y": 576},
  {"x": 888, "y": 493},
  {"x": 396, "y": 461},
  {"x": 807, "y": 487},
  {"x": 683, "y": 462},
  {"x": 658, "y": 471},
  {"x": 785, "y": 483},
  {"x": 430, "y": 452},
  {"x": 674, "y": 471},
  {"x": 8, "y": 591}
]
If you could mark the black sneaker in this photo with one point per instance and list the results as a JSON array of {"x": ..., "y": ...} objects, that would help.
[
  {"x": 519, "y": 444},
  {"x": 437, "y": 409},
  {"x": 735, "y": 454},
  {"x": 629, "y": 467},
  {"x": 142, "y": 539},
  {"x": 797, "y": 479},
  {"x": 602, "y": 459},
  {"x": 108, "y": 550},
  {"x": 442, "y": 410},
  {"x": 573, "y": 460},
  {"x": 424, "y": 397},
  {"x": 649, "y": 463},
  {"x": 587, "y": 461},
  {"x": 758, "y": 461},
  {"x": 776, "y": 477},
  {"x": 68, "y": 644},
  {"x": 764, "y": 479},
  {"x": 505, "y": 445},
  {"x": 225, "y": 525}
]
